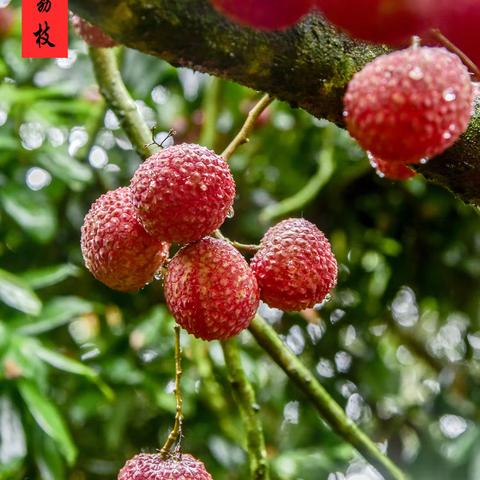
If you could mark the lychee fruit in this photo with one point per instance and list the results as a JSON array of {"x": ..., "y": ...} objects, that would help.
[
  {"x": 409, "y": 105},
  {"x": 116, "y": 248},
  {"x": 295, "y": 266},
  {"x": 183, "y": 193},
  {"x": 210, "y": 290},
  {"x": 458, "y": 21},
  {"x": 264, "y": 14},
  {"x": 151, "y": 466},
  {"x": 93, "y": 35},
  {"x": 391, "y": 170},
  {"x": 379, "y": 21}
]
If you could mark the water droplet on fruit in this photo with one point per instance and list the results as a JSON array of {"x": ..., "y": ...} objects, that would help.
[
  {"x": 449, "y": 95},
  {"x": 447, "y": 135},
  {"x": 203, "y": 187},
  {"x": 231, "y": 213},
  {"x": 423, "y": 161},
  {"x": 416, "y": 73},
  {"x": 159, "y": 276}
]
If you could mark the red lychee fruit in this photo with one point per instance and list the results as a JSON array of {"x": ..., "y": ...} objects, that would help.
[
  {"x": 93, "y": 35},
  {"x": 151, "y": 466},
  {"x": 409, "y": 105},
  {"x": 183, "y": 193},
  {"x": 264, "y": 14},
  {"x": 379, "y": 21},
  {"x": 295, "y": 266},
  {"x": 391, "y": 170},
  {"x": 116, "y": 248},
  {"x": 210, "y": 290},
  {"x": 459, "y": 20}
]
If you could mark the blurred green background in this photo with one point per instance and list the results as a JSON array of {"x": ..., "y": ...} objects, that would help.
[{"x": 86, "y": 374}]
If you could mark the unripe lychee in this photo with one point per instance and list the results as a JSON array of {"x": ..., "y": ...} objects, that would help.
[
  {"x": 409, "y": 105},
  {"x": 295, "y": 266},
  {"x": 183, "y": 193},
  {"x": 116, "y": 248},
  {"x": 93, "y": 35},
  {"x": 391, "y": 170},
  {"x": 210, "y": 290},
  {"x": 264, "y": 14},
  {"x": 151, "y": 466},
  {"x": 380, "y": 21}
]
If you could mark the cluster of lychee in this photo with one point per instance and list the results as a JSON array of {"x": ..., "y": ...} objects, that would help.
[
  {"x": 404, "y": 107},
  {"x": 182, "y": 195}
]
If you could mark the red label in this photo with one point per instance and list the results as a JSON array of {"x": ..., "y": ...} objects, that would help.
[{"x": 44, "y": 28}]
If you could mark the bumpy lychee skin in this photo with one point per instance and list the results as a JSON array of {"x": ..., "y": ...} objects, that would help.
[
  {"x": 116, "y": 248},
  {"x": 295, "y": 266},
  {"x": 183, "y": 193},
  {"x": 264, "y": 14},
  {"x": 391, "y": 170},
  {"x": 379, "y": 21},
  {"x": 145, "y": 466},
  {"x": 409, "y": 105},
  {"x": 210, "y": 290},
  {"x": 93, "y": 35}
]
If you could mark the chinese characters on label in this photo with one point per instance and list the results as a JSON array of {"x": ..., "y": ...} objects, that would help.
[{"x": 44, "y": 28}]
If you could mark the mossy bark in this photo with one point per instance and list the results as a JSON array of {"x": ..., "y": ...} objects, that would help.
[{"x": 308, "y": 66}]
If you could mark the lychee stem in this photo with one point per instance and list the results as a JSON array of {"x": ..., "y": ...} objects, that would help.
[
  {"x": 241, "y": 247},
  {"x": 245, "y": 397},
  {"x": 443, "y": 40},
  {"x": 248, "y": 126},
  {"x": 176, "y": 433}
]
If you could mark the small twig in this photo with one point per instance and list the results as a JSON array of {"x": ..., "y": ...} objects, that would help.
[
  {"x": 243, "y": 134},
  {"x": 244, "y": 395},
  {"x": 325, "y": 170},
  {"x": 242, "y": 247},
  {"x": 176, "y": 433},
  {"x": 171, "y": 133},
  {"x": 118, "y": 99},
  {"x": 470, "y": 64}
]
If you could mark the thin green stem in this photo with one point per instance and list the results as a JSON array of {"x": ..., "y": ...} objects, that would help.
[
  {"x": 244, "y": 133},
  {"x": 328, "y": 408},
  {"x": 245, "y": 397},
  {"x": 176, "y": 433},
  {"x": 119, "y": 100},
  {"x": 326, "y": 167},
  {"x": 211, "y": 108}
]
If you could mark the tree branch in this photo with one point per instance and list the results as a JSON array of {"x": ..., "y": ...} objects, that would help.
[
  {"x": 115, "y": 93},
  {"x": 308, "y": 66},
  {"x": 245, "y": 398},
  {"x": 324, "y": 403}
]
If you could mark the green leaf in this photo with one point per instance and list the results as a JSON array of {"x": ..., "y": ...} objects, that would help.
[
  {"x": 48, "y": 418},
  {"x": 17, "y": 294},
  {"x": 57, "y": 312},
  {"x": 72, "y": 172},
  {"x": 69, "y": 365},
  {"x": 47, "y": 457},
  {"x": 32, "y": 211},
  {"x": 45, "y": 277}
]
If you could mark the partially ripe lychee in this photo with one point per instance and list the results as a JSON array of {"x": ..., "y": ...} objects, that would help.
[
  {"x": 151, "y": 466},
  {"x": 391, "y": 170},
  {"x": 264, "y": 14},
  {"x": 183, "y": 193},
  {"x": 409, "y": 105},
  {"x": 93, "y": 35},
  {"x": 7, "y": 19},
  {"x": 379, "y": 21},
  {"x": 116, "y": 248},
  {"x": 295, "y": 266},
  {"x": 210, "y": 290}
]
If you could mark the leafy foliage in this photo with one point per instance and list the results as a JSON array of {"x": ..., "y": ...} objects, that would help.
[{"x": 86, "y": 373}]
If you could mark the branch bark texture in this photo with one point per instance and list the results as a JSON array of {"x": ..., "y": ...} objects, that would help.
[{"x": 308, "y": 66}]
